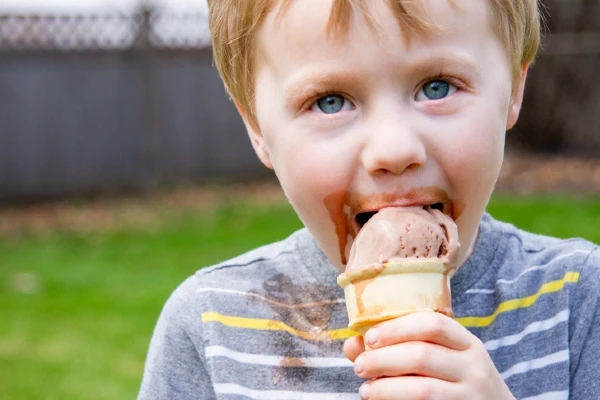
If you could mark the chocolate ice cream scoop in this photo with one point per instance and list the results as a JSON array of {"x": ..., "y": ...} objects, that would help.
[{"x": 405, "y": 232}]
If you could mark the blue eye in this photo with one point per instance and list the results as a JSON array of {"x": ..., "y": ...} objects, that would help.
[
  {"x": 435, "y": 90},
  {"x": 331, "y": 104}
]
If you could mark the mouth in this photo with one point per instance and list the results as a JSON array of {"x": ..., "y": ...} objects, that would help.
[{"x": 363, "y": 217}]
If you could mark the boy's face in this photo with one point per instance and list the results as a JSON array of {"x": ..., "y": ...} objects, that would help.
[{"x": 375, "y": 120}]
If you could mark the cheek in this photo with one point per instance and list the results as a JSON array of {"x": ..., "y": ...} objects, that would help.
[
  {"x": 471, "y": 164},
  {"x": 299, "y": 165},
  {"x": 473, "y": 155},
  {"x": 309, "y": 165},
  {"x": 311, "y": 171},
  {"x": 309, "y": 176}
]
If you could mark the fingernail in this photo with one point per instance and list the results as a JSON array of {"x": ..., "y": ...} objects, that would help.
[
  {"x": 364, "y": 391},
  {"x": 372, "y": 336},
  {"x": 359, "y": 364}
]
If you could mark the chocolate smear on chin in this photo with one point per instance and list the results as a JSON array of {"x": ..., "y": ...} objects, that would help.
[
  {"x": 342, "y": 204},
  {"x": 341, "y": 217}
]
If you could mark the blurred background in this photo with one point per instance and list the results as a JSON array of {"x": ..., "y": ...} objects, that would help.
[{"x": 124, "y": 168}]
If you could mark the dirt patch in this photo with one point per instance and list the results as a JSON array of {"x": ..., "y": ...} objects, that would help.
[
  {"x": 521, "y": 174},
  {"x": 132, "y": 212},
  {"x": 529, "y": 174}
]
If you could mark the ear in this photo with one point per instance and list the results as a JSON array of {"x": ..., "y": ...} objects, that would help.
[
  {"x": 516, "y": 100},
  {"x": 256, "y": 138}
]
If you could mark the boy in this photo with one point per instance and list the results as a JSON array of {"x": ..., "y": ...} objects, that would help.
[{"x": 357, "y": 106}]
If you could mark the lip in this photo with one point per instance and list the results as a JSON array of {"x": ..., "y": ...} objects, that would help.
[{"x": 445, "y": 204}]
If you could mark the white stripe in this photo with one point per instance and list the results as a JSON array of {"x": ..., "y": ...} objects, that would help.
[
  {"x": 276, "y": 361},
  {"x": 481, "y": 291},
  {"x": 301, "y": 305},
  {"x": 528, "y": 270},
  {"x": 230, "y": 388},
  {"x": 534, "y": 327},
  {"x": 537, "y": 363},
  {"x": 563, "y": 395}
]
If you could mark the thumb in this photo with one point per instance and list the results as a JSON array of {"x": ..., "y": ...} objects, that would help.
[{"x": 354, "y": 347}]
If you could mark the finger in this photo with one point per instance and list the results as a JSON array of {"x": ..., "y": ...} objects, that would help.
[
  {"x": 411, "y": 358},
  {"x": 409, "y": 388},
  {"x": 423, "y": 326},
  {"x": 353, "y": 347}
]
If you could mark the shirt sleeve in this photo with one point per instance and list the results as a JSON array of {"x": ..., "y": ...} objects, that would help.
[
  {"x": 175, "y": 366},
  {"x": 585, "y": 332}
]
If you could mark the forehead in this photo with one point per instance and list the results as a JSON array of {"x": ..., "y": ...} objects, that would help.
[
  {"x": 418, "y": 15},
  {"x": 298, "y": 28}
]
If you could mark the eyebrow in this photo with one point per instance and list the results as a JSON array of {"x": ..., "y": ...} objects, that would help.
[
  {"x": 443, "y": 63},
  {"x": 307, "y": 84}
]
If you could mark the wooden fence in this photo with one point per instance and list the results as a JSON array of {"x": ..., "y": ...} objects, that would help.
[
  {"x": 89, "y": 110},
  {"x": 561, "y": 109},
  {"x": 92, "y": 104}
]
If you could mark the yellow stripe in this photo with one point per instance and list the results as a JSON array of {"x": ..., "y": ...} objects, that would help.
[
  {"x": 341, "y": 334},
  {"x": 271, "y": 325},
  {"x": 510, "y": 305}
]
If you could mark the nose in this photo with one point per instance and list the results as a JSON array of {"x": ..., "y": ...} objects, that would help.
[{"x": 392, "y": 146}]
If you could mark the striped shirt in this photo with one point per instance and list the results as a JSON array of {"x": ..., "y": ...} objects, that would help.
[{"x": 271, "y": 324}]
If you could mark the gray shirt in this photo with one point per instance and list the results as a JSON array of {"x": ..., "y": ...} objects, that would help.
[{"x": 271, "y": 323}]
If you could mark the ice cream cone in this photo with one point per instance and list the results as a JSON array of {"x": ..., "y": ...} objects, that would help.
[{"x": 380, "y": 292}]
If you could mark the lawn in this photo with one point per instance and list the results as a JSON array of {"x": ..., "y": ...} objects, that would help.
[{"x": 77, "y": 310}]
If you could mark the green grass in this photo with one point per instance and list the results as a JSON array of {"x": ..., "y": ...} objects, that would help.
[
  {"x": 77, "y": 311},
  {"x": 558, "y": 216}
]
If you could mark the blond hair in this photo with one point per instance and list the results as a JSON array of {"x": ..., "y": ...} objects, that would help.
[{"x": 234, "y": 23}]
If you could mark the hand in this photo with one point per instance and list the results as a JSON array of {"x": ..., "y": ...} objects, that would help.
[{"x": 425, "y": 355}]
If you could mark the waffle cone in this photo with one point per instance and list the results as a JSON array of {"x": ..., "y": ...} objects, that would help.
[{"x": 380, "y": 292}]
